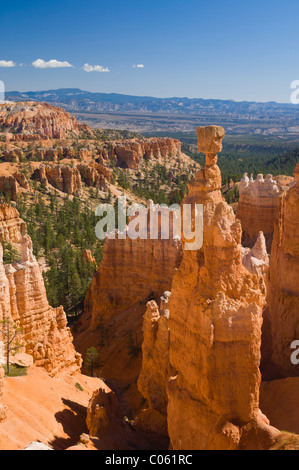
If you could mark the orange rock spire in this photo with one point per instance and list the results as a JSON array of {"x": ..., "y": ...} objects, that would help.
[{"x": 215, "y": 329}]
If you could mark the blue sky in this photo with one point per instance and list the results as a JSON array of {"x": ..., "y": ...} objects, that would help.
[{"x": 196, "y": 48}]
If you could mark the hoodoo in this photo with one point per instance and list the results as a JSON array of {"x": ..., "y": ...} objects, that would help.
[{"x": 215, "y": 329}]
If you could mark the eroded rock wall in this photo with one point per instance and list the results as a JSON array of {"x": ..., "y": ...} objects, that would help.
[
  {"x": 156, "y": 369},
  {"x": 283, "y": 284},
  {"x": 32, "y": 121},
  {"x": 23, "y": 299},
  {"x": 258, "y": 207},
  {"x": 130, "y": 153}
]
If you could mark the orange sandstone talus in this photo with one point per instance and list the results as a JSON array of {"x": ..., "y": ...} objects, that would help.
[
  {"x": 283, "y": 286},
  {"x": 23, "y": 299},
  {"x": 3, "y": 410},
  {"x": 215, "y": 329}
]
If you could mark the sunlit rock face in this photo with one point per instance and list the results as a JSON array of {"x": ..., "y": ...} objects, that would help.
[
  {"x": 27, "y": 121},
  {"x": 156, "y": 369},
  {"x": 131, "y": 153},
  {"x": 23, "y": 299},
  {"x": 215, "y": 329},
  {"x": 283, "y": 285},
  {"x": 3, "y": 410},
  {"x": 258, "y": 207}
]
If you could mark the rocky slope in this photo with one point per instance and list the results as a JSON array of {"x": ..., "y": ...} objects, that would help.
[
  {"x": 12, "y": 227},
  {"x": 3, "y": 410},
  {"x": 215, "y": 329},
  {"x": 283, "y": 290},
  {"x": 52, "y": 411},
  {"x": 32, "y": 121},
  {"x": 23, "y": 299}
]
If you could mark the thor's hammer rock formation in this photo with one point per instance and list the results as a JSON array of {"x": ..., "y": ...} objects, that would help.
[{"x": 215, "y": 328}]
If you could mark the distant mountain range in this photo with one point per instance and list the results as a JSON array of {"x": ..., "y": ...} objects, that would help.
[
  {"x": 148, "y": 114},
  {"x": 84, "y": 101}
]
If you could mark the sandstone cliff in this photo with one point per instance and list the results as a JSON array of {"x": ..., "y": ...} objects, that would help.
[
  {"x": 68, "y": 179},
  {"x": 215, "y": 329},
  {"x": 12, "y": 227},
  {"x": 62, "y": 177},
  {"x": 32, "y": 121},
  {"x": 23, "y": 299},
  {"x": 283, "y": 285},
  {"x": 256, "y": 260},
  {"x": 258, "y": 207},
  {"x": 156, "y": 368},
  {"x": 93, "y": 175},
  {"x": 130, "y": 153},
  {"x": 131, "y": 273},
  {"x": 9, "y": 187}
]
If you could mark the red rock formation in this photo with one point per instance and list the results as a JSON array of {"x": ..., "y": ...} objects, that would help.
[
  {"x": 105, "y": 171},
  {"x": 155, "y": 369},
  {"x": 9, "y": 187},
  {"x": 256, "y": 260},
  {"x": 215, "y": 329},
  {"x": 62, "y": 177},
  {"x": 258, "y": 207},
  {"x": 130, "y": 153},
  {"x": 283, "y": 285},
  {"x": 103, "y": 410},
  {"x": 12, "y": 155},
  {"x": 21, "y": 179},
  {"x": 92, "y": 177},
  {"x": 150, "y": 264},
  {"x": 32, "y": 121},
  {"x": 12, "y": 227},
  {"x": 23, "y": 299},
  {"x": 131, "y": 273},
  {"x": 87, "y": 256}
]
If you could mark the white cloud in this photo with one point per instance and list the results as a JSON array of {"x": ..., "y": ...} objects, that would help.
[
  {"x": 95, "y": 68},
  {"x": 138, "y": 66},
  {"x": 51, "y": 64},
  {"x": 7, "y": 63}
]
